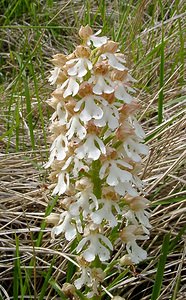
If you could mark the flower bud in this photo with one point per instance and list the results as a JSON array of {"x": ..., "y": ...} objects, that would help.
[
  {"x": 53, "y": 218},
  {"x": 110, "y": 47},
  {"x": 85, "y": 89},
  {"x": 129, "y": 109},
  {"x": 85, "y": 32},
  {"x": 110, "y": 155},
  {"x": 59, "y": 60},
  {"x": 119, "y": 75},
  {"x": 70, "y": 106},
  {"x": 69, "y": 290},
  {"x": 110, "y": 194},
  {"x": 126, "y": 260},
  {"x": 124, "y": 131},
  {"x": 98, "y": 274},
  {"x": 83, "y": 184},
  {"x": 92, "y": 128},
  {"x": 101, "y": 69},
  {"x": 109, "y": 97},
  {"x": 137, "y": 203},
  {"x": 82, "y": 51},
  {"x": 61, "y": 78},
  {"x": 58, "y": 94}
]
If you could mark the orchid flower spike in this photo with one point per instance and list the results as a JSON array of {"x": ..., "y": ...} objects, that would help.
[{"x": 96, "y": 155}]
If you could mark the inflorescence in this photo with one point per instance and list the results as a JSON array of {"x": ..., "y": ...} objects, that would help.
[{"x": 95, "y": 156}]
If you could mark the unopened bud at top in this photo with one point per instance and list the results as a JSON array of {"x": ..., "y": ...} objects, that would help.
[{"x": 85, "y": 32}]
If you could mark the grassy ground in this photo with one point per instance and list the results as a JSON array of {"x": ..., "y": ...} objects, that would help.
[{"x": 152, "y": 35}]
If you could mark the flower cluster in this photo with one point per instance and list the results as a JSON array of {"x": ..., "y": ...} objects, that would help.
[{"x": 96, "y": 151}]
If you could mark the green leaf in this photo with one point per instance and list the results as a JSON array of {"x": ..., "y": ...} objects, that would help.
[{"x": 161, "y": 266}]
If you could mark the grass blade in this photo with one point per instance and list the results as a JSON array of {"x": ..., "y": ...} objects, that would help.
[
  {"x": 47, "y": 278},
  {"x": 17, "y": 282},
  {"x": 161, "y": 266},
  {"x": 57, "y": 288},
  {"x": 38, "y": 242},
  {"x": 29, "y": 112},
  {"x": 162, "y": 59}
]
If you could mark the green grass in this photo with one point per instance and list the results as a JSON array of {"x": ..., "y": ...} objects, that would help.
[
  {"x": 161, "y": 267},
  {"x": 151, "y": 34}
]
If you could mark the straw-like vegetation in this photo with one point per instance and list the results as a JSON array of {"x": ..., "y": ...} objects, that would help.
[{"x": 152, "y": 33}]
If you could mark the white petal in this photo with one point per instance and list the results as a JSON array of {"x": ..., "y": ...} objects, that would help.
[
  {"x": 52, "y": 79},
  {"x": 97, "y": 41},
  {"x": 120, "y": 189},
  {"x": 81, "y": 244},
  {"x": 83, "y": 280},
  {"x": 67, "y": 163},
  {"x": 101, "y": 145},
  {"x": 91, "y": 110},
  {"x": 113, "y": 61},
  {"x": 106, "y": 241},
  {"x": 88, "y": 149},
  {"x": 101, "y": 86},
  {"x": 72, "y": 88},
  {"x": 70, "y": 233},
  {"x": 121, "y": 94},
  {"x": 124, "y": 164},
  {"x": 138, "y": 129},
  {"x": 103, "y": 170},
  {"x": 61, "y": 186},
  {"x": 75, "y": 127},
  {"x": 138, "y": 252},
  {"x": 78, "y": 105},
  {"x": 89, "y": 255}
]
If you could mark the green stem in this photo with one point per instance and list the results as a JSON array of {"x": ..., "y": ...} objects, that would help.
[
  {"x": 96, "y": 165},
  {"x": 96, "y": 297}
]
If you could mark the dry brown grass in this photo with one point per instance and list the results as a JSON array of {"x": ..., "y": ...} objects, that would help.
[{"x": 24, "y": 197}]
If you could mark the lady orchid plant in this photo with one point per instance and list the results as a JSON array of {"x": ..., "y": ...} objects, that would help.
[{"x": 95, "y": 156}]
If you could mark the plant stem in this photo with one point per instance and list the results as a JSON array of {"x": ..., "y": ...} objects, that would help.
[
  {"x": 95, "y": 178},
  {"x": 97, "y": 192}
]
